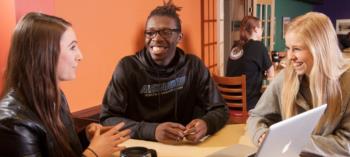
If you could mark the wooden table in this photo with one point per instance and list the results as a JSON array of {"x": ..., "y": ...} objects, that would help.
[{"x": 229, "y": 135}]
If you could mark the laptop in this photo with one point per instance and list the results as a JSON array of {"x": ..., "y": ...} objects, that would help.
[{"x": 284, "y": 139}]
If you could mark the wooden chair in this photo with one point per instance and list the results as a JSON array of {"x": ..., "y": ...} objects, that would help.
[
  {"x": 233, "y": 90},
  {"x": 84, "y": 117}
]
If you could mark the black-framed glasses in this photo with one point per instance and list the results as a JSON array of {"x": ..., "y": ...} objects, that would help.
[{"x": 165, "y": 33}]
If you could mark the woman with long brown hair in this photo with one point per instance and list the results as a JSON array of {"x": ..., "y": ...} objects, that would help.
[
  {"x": 316, "y": 74},
  {"x": 250, "y": 57},
  {"x": 34, "y": 115}
]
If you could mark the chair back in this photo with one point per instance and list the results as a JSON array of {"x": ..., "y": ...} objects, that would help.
[{"x": 233, "y": 90}]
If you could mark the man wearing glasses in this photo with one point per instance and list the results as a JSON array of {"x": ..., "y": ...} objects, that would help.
[{"x": 161, "y": 93}]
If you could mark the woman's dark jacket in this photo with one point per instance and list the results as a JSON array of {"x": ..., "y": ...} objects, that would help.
[{"x": 23, "y": 134}]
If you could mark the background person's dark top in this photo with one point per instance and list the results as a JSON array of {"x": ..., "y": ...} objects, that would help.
[{"x": 254, "y": 62}]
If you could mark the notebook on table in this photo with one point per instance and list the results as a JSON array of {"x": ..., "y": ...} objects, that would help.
[{"x": 283, "y": 139}]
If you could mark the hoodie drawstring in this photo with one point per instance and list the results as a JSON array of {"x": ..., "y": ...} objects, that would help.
[{"x": 175, "y": 107}]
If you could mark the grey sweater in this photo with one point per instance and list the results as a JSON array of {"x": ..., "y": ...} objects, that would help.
[{"x": 334, "y": 139}]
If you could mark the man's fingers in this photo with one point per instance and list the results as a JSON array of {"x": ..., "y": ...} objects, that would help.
[
  {"x": 193, "y": 127},
  {"x": 191, "y": 124},
  {"x": 174, "y": 131},
  {"x": 197, "y": 136},
  {"x": 190, "y": 131},
  {"x": 190, "y": 137},
  {"x": 172, "y": 137},
  {"x": 177, "y": 125},
  {"x": 193, "y": 137},
  {"x": 174, "y": 134}
]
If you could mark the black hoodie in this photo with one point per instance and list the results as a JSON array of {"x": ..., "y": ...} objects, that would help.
[{"x": 144, "y": 94}]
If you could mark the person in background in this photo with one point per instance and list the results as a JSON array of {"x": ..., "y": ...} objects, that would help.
[
  {"x": 34, "y": 116},
  {"x": 316, "y": 74},
  {"x": 162, "y": 93},
  {"x": 250, "y": 57},
  {"x": 345, "y": 42}
]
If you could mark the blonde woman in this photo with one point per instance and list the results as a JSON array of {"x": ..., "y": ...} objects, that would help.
[{"x": 316, "y": 73}]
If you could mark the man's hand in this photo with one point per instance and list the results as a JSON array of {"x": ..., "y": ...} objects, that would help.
[
  {"x": 196, "y": 130},
  {"x": 170, "y": 133}
]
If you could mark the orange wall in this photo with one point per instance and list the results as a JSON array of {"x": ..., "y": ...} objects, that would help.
[
  {"x": 25, "y": 6},
  {"x": 109, "y": 30},
  {"x": 7, "y": 24}
]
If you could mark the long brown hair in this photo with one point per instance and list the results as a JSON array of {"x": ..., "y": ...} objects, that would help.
[
  {"x": 31, "y": 72},
  {"x": 316, "y": 31}
]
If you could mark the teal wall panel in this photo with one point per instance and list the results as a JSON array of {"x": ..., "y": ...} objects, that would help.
[{"x": 287, "y": 8}]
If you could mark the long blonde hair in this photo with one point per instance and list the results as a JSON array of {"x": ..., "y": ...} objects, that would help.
[{"x": 316, "y": 31}]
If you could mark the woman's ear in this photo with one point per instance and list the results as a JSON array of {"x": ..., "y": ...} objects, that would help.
[{"x": 255, "y": 30}]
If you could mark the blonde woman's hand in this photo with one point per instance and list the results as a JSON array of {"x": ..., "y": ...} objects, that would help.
[
  {"x": 105, "y": 144},
  {"x": 261, "y": 138}
]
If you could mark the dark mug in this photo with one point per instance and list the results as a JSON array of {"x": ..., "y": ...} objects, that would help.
[
  {"x": 138, "y": 152},
  {"x": 275, "y": 56}
]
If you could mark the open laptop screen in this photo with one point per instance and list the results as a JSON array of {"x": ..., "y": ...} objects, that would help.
[{"x": 288, "y": 137}]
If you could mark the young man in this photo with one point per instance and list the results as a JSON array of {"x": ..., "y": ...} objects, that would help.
[{"x": 161, "y": 93}]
